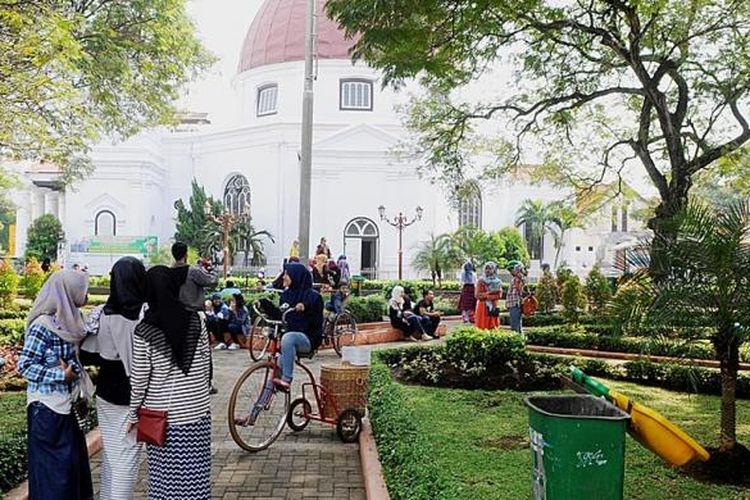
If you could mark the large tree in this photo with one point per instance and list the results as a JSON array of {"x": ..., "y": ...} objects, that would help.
[
  {"x": 597, "y": 83},
  {"x": 71, "y": 72}
]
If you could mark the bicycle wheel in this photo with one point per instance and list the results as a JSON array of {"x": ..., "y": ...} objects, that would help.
[
  {"x": 344, "y": 331},
  {"x": 259, "y": 338},
  {"x": 257, "y": 412},
  {"x": 297, "y": 419}
]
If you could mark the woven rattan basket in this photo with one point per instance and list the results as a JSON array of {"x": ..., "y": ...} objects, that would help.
[{"x": 346, "y": 385}]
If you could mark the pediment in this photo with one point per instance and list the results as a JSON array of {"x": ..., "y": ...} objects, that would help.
[{"x": 361, "y": 137}]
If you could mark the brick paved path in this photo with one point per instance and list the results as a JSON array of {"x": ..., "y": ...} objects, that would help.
[{"x": 311, "y": 464}]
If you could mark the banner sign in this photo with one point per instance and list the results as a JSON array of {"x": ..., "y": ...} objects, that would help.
[{"x": 123, "y": 245}]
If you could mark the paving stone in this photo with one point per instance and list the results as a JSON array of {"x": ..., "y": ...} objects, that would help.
[{"x": 306, "y": 465}]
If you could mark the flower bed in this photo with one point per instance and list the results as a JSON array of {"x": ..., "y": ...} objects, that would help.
[{"x": 472, "y": 359}]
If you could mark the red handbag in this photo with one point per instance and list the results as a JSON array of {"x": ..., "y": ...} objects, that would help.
[{"x": 152, "y": 426}]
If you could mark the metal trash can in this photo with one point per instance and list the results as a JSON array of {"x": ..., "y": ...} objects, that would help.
[{"x": 577, "y": 446}]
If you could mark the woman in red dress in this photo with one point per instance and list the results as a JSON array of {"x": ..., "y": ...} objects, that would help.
[{"x": 487, "y": 294}]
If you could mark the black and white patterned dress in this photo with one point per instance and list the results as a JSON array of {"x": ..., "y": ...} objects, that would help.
[{"x": 181, "y": 469}]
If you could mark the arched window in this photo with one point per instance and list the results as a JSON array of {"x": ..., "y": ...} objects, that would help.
[
  {"x": 105, "y": 224},
  {"x": 361, "y": 227},
  {"x": 361, "y": 238},
  {"x": 470, "y": 207},
  {"x": 237, "y": 195}
]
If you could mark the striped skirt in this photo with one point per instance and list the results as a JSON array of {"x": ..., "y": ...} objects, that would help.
[
  {"x": 181, "y": 469},
  {"x": 120, "y": 453}
]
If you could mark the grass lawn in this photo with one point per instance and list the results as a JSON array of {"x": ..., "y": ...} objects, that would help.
[
  {"x": 481, "y": 442},
  {"x": 12, "y": 439}
]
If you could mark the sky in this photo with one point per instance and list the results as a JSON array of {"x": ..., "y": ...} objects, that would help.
[{"x": 222, "y": 25}]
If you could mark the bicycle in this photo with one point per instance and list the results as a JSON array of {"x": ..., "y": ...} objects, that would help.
[
  {"x": 339, "y": 329},
  {"x": 258, "y": 410}
]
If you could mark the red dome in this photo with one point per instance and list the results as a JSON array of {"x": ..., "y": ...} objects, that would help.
[{"x": 278, "y": 35}]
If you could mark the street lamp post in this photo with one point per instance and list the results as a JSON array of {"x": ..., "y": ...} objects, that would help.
[
  {"x": 400, "y": 222},
  {"x": 227, "y": 220}
]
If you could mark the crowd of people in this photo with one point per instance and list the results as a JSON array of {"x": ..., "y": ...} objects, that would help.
[
  {"x": 150, "y": 343},
  {"x": 480, "y": 298}
]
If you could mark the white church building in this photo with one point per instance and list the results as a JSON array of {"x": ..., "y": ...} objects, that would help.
[{"x": 127, "y": 204}]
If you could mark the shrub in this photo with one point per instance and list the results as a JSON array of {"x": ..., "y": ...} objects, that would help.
[
  {"x": 563, "y": 275},
  {"x": 32, "y": 279},
  {"x": 367, "y": 309},
  {"x": 12, "y": 440},
  {"x": 403, "y": 451},
  {"x": 598, "y": 290},
  {"x": 573, "y": 299},
  {"x": 578, "y": 338},
  {"x": 12, "y": 331},
  {"x": 44, "y": 236},
  {"x": 547, "y": 292},
  {"x": 449, "y": 307},
  {"x": 8, "y": 284},
  {"x": 475, "y": 350}
]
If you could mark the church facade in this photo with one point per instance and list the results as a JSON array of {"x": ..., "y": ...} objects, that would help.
[{"x": 127, "y": 205}]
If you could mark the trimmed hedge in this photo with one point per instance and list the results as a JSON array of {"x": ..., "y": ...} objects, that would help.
[
  {"x": 13, "y": 314},
  {"x": 471, "y": 347},
  {"x": 579, "y": 339},
  {"x": 368, "y": 309},
  {"x": 12, "y": 440},
  {"x": 403, "y": 451}
]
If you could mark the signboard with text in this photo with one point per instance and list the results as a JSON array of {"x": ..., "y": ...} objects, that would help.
[{"x": 123, "y": 245}]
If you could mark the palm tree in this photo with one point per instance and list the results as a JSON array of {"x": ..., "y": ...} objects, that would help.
[
  {"x": 562, "y": 219},
  {"x": 709, "y": 279},
  {"x": 536, "y": 215},
  {"x": 243, "y": 236},
  {"x": 434, "y": 256}
]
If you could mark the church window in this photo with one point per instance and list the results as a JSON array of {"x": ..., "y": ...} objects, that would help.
[
  {"x": 470, "y": 208},
  {"x": 268, "y": 96},
  {"x": 105, "y": 224},
  {"x": 356, "y": 94},
  {"x": 237, "y": 195}
]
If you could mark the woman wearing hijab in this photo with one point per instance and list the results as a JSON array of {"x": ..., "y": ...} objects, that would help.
[
  {"x": 170, "y": 372},
  {"x": 468, "y": 301},
  {"x": 320, "y": 269},
  {"x": 488, "y": 292},
  {"x": 111, "y": 330},
  {"x": 403, "y": 318},
  {"x": 346, "y": 273},
  {"x": 58, "y": 458},
  {"x": 304, "y": 324}
]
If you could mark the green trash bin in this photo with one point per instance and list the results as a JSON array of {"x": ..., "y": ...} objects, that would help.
[
  {"x": 577, "y": 446},
  {"x": 356, "y": 285}
]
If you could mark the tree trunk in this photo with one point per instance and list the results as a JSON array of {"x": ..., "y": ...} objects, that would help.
[
  {"x": 664, "y": 225},
  {"x": 729, "y": 362}
]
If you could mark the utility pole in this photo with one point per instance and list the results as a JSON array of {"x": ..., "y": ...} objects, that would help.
[{"x": 305, "y": 178}]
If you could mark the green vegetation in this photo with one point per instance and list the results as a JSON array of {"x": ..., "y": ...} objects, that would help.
[
  {"x": 12, "y": 440},
  {"x": 573, "y": 299},
  {"x": 478, "y": 443},
  {"x": 74, "y": 71},
  {"x": 8, "y": 284},
  {"x": 44, "y": 236},
  {"x": 32, "y": 279}
]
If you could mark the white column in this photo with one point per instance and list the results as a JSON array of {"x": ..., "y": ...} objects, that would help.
[
  {"x": 50, "y": 203},
  {"x": 23, "y": 220},
  {"x": 36, "y": 200},
  {"x": 61, "y": 208}
]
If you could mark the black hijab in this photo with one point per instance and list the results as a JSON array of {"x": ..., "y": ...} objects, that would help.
[
  {"x": 167, "y": 314},
  {"x": 127, "y": 288}
]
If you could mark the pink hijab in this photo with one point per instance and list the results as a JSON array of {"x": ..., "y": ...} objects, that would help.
[{"x": 57, "y": 305}]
